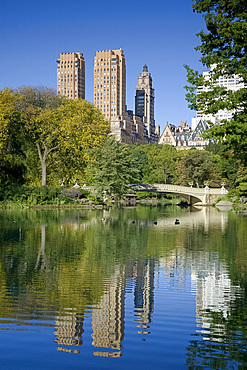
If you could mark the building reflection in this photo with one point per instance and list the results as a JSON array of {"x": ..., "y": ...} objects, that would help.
[
  {"x": 216, "y": 306},
  {"x": 143, "y": 274},
  {"x": 108, "y": 315},
  {"x": 69, "y": 330},
  {"x": 214, "y": 293}
]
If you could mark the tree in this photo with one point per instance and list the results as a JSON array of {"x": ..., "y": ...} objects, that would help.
[
  {"x": 242, "y": 180},
  {"x": 11, "y": 136},
  {"x": 227, "y": 164},
  {"x": 162, "y": 161},
  {"x": 197, "y": 167},
  {"x": 224, "y": 48},
  {"x": 233, "y": 136},
  {"x": 39, "y": 106},
  {"x": 56, "y": 124},
  {"x": 112, "y": 169},
  {"x": 140, "y": 160},
  {"x": 83, "y": 127}
]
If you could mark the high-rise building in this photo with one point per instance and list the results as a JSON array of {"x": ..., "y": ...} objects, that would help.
[
  {"x": 144, "y": 100},
  {"x": 71, "y": 75},
  {"x": 110, "y": 83},
  {"x": 110, "y": 97},
  {"x": 230, "y": 82}
]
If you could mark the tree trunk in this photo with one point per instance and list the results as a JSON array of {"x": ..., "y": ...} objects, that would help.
[
  {"x": 43, "y": 159},
  {"x": 43, "y": 164}
]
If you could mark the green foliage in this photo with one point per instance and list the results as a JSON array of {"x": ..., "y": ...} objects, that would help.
[
  {"x": 162, "y": 162},
  {"x": 41, "y": 97},
  {"x": 11, "y": 136},
  {"x": 44, "y": 136},
  {"x": 112, "y": 169},
  {"x": 242, "y": 181},
  {"x": 227, "y": 164},
  {"x": 33, "y": 167},
  {"x": 28, "y": 195},
  {"x": 233, "y": 136},
  {"x": 198, "y": 167},
  {"x": 224, "y": 47},
  {"x": 140, "y": 161}
]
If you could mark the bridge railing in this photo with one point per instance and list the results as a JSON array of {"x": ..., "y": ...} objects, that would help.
[{"x": 178, "y": 189}]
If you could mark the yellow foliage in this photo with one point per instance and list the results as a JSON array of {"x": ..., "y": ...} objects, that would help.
[
  {"x": 82, "y": 126},
  {"x": 7, "y": 108}
]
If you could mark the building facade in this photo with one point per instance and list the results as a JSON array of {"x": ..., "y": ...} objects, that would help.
[
  {"x": 233, "y": 82},
  {"x": 110, "y": 83},
  {"x": 183, "y": 137},
  {"x": 71, "y": 75},
  {"x": 144, "y": 101},
  {"x": 110, "y": 97}
]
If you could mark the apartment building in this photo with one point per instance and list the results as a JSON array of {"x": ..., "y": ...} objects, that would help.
[
  {"x": 230, "y": 82},
  {"x": 110, "y": 97},
  {"x": 183, "y": 137},
  {"x": 110, "y": 83},
  {"x": 144, "y": 100},
  {"x": 71, "y": 75}
]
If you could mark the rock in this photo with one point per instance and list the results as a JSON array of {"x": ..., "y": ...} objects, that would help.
[
  {"x": 224, "y": 205},
  {"x": 243, "y": 199},
  {"x": 234, "y": 198},
  {"x": 72, "y": 193}
]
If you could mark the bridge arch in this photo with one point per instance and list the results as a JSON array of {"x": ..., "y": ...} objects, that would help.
[{"x": 205, "y": 196}]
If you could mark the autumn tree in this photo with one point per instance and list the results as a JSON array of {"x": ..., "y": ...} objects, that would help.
[
  {"x": 60, "y": 128},
  {"x": 11, "y": 137},
  {"x": 39, "y": 106},
  {"x": 82, "y": 128},
  {"x": 224, "y": 50}
]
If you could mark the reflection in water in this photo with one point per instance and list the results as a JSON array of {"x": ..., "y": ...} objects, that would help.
[
  {"x": 69, "y": 329},
  {"x": 68, "y": 267},
  {"x": 143, "y": 274},
  {"x": 214, "y": 289},
  {"x": 108, "y": 315}
]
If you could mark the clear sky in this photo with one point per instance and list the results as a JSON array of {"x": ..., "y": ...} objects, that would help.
[{"x": 159, "y": 33}]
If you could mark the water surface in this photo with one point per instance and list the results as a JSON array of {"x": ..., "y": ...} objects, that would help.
[{"x": 123, "y": 288}]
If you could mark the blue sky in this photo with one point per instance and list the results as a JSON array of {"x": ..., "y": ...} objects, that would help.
[{"x": 159, "y": 33}]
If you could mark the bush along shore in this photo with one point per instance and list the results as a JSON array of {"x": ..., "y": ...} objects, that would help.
[
  {"x": 26, "y": 196},
  {"x": 47, "y": 197}
]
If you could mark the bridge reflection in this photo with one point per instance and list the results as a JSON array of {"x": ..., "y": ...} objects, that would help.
[{"x": 203, "y": 216}]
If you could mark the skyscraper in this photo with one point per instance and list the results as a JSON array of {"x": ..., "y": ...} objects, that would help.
[
  {"x": 71, "y": 75},
  {"x": 230, "y": 82},
  {"x": 109, "y": 83},
  {"x": 110, "y": 97},
  {"x": 144, "y": 100}
]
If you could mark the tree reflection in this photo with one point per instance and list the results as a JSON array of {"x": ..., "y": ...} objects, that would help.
[{"x": 57, "y": 265}]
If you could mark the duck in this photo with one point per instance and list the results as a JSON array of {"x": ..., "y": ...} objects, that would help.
[{"x": 177, "y": 222}]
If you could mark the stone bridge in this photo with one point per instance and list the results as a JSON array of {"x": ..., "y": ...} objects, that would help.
[{"x": 204, "y": 196}]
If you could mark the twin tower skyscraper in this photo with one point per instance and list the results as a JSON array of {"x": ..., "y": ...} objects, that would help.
[{"x": 110, "y": 93}]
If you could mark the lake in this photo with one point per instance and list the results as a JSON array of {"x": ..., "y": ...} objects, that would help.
[{"x": 123, "y": 288}]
